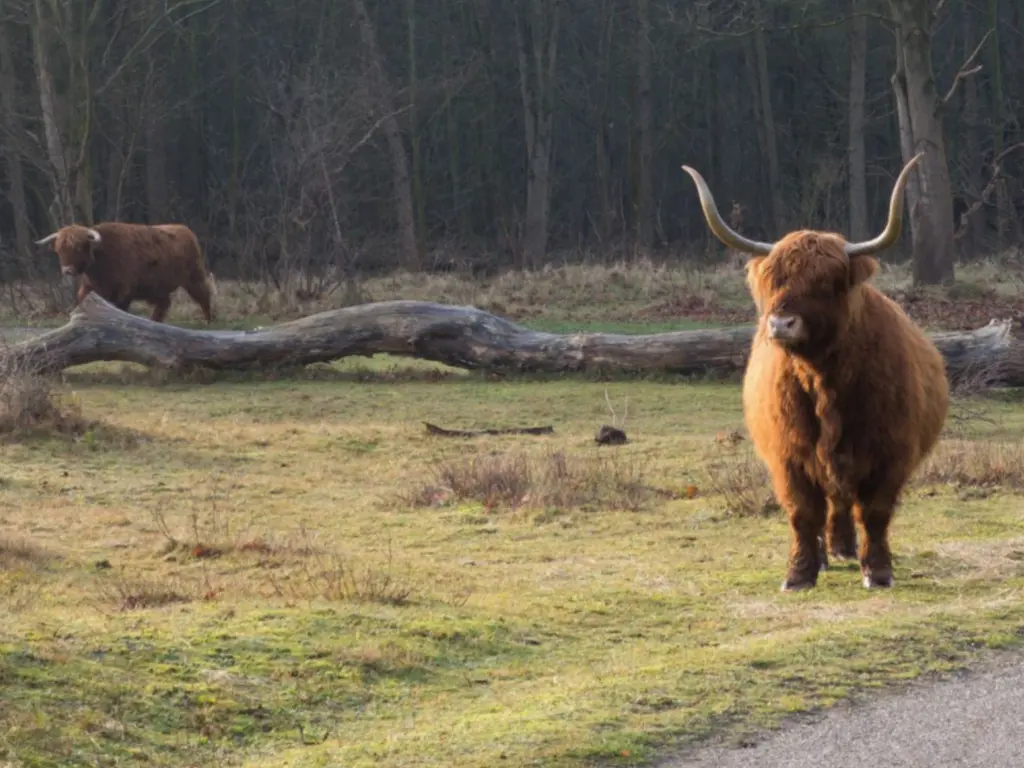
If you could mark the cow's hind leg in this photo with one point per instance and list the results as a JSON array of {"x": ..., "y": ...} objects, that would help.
[
  {"x": 200, "y": 288},
  {"x": 160, "y": 308},
  {"x": 841, "y": 536},
  {"x": 804, "y": 503}
]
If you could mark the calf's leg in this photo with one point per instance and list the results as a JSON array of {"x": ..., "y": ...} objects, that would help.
[{"x": 804, "y": 503}]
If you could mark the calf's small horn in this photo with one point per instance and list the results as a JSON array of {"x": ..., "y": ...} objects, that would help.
[
  {"x": 891, "y": 233},
  {"x": 717, "y": 224},
  {"x": 93, "y": 235},
  {"x": 46, "y": 239}
]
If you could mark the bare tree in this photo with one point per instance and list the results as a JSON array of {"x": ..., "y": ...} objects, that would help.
[
  {"x": 404, "y": 209},
  {"x": 537, "y": 29}
]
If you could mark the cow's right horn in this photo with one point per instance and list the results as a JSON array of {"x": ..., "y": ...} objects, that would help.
[
  {"x": 891, "y": 233},
  {"x": 46, "y": 239},
  {"x": 93, "y": 235},
  {"x": 717, "y": 225}
]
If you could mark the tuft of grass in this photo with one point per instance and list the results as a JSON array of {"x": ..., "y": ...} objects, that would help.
[{"x": 555, "y": 480}]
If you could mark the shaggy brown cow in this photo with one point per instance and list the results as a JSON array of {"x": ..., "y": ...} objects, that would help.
[
  {"x": 135, "y": 262},
  {"x": 843, "y": 394}
]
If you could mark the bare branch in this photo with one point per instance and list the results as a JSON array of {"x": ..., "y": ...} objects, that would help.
[
  {"x": 986, "y": 193},
  {"x": 966, "y": 70}
]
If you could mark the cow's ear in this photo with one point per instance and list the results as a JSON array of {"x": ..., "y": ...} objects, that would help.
[
  {"x": 754, "y": 266},
  {"x": 862, "y": 268}
]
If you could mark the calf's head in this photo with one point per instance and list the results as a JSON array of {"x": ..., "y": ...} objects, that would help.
[
  {"x": 74, "y": 247},
  {"x": 805, "y": 284}
]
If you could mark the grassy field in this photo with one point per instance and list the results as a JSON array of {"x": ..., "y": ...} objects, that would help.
[
  {"x": 289, "y": 571},
  {"x": 292, "y": 572}
]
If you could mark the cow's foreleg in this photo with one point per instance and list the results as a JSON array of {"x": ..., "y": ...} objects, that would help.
[
  {"x": 804, "y": 502},
  {"x": 160, "y": 309},
  {"x": 874, "y": 513}
]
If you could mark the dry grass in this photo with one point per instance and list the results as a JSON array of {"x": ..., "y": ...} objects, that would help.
[
  {"x": 975, "y": 463},
  {"x": 553, "y": 480},
  {"x": 588, "y": 289},
  {"x": 19, "y": 552}
]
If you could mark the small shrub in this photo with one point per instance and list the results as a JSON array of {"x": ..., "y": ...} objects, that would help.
[
  {"x": 329, "y": 576},
  {"x": 31, "y": 401},
  {"x": 131, "y": 593},
  {"x": 554, "y": 480},
  {"x": 743, "y": 482}
]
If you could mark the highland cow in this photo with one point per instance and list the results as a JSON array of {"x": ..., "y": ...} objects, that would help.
[
  {"x": 135, "y": 262},
  {"x": 843, "y": 394}
]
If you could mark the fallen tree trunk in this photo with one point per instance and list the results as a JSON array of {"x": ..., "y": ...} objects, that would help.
[{"x": 463, "y": 337}]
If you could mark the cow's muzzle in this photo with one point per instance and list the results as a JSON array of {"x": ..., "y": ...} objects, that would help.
[
  {"x": 786, "y": 328},
  {"x": 68, "y": 271}
]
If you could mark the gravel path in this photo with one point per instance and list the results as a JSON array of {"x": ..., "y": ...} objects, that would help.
[{"x": 974, "y": 719}]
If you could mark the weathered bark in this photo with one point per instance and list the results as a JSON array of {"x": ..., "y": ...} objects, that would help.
[
  {"x": 404, "y": 209},
  {"x": 930, "y": 194},
  {"x": 463, "y": 337},
  {"x": 858, "y": 155}
]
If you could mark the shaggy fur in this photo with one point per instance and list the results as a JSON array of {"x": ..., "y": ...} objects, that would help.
[
  {"x": 843, "y": 418},
  {"x": 136, "y": 262}
]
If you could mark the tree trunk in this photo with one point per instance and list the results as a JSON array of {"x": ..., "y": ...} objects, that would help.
[
  {"x": 62, "y": 209},
  {"x": 858, "y": 157},
  {"x": 12, "y": 151},
  {"x": 645, "y": 185},
  {"x": 931, "y": 205},
  {"x": 404, "y": 209},
  {"x": 463, "y": 337},
  {"x": 536, "y": 76},
  {"x": 760, "y": 82}
]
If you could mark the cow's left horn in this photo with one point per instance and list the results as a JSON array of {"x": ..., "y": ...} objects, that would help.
[
  {"x": 50, "y": 237},
  {"x": 717, "y": 225},
  {"x": 93, "y": 235},
  {"x": 891, "y": 233}
]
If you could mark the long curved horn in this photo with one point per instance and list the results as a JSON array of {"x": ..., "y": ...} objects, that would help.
[
  {"x": 891, "y": 233},
  {"x": 717, "y": 225},
  {"x": 46, "y": 239},
  {"x": 93, "y": 235}
]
